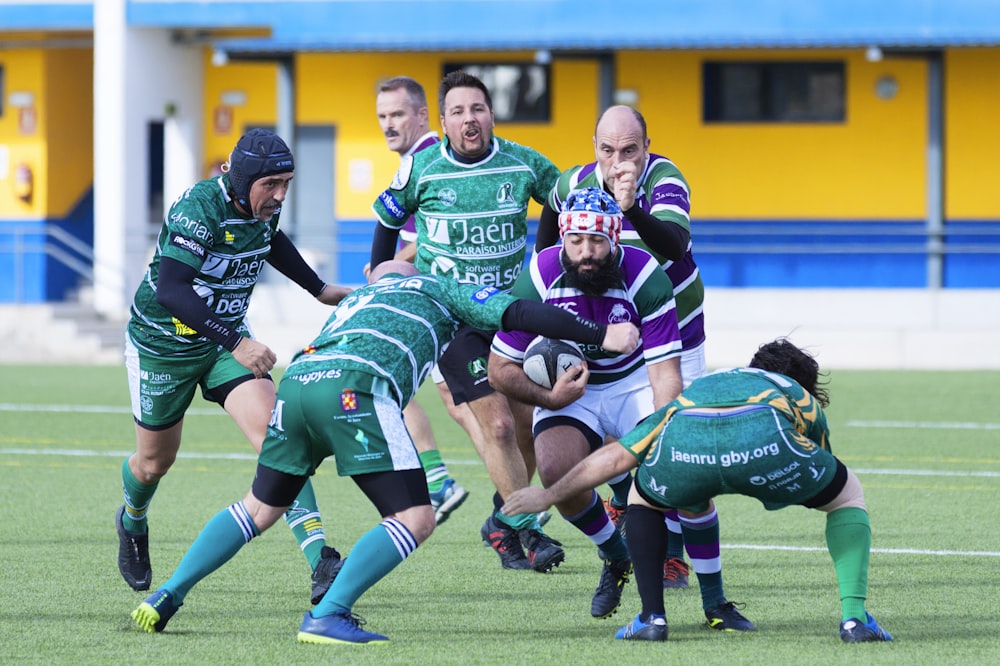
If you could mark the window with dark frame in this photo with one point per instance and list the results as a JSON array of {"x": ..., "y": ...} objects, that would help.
[
  {"x": 520, "y": 91},
  {"x": 774, "y": 92}
]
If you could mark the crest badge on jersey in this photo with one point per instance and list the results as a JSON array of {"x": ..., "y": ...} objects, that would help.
[
  {"x": 619, "y": 314},
  {"x": 349, "y": 400},
  {"x": 505, "y": 194},
  {"x": 447, "y": 196}
]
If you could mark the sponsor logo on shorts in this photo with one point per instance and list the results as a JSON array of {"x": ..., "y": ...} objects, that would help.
[
  {"x": 155, "y": 377},
  {"x": 317, "y": 375},
  {"x": 477, "y": 367},
  {"x": 728, "y": 459},
  {"x": 146, "y": 403},
  {"x": 349, "y": 402},
  {"x": 785, "y": 478}
]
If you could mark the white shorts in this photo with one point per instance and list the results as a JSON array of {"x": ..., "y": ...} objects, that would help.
[
  {"x": 693, "y": 364},
  {"x": 609, "y": 409}
]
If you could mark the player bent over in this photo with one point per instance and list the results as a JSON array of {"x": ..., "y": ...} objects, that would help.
[
  {"x": 758, "y": 431},
  {"x": 343, "y": 395}
]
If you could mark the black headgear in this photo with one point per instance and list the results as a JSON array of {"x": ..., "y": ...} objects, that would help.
[{"x": 258, "y": 153}]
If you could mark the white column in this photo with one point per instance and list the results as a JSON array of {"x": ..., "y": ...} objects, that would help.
[{"x": 110, "y": 166}]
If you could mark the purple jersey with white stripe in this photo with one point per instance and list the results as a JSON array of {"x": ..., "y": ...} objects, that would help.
[
  {"x": 408, "y": 234},
  {"x": 645, "y": 297}
]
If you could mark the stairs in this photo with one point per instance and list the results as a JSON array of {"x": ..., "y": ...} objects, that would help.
[{"x": 59, "y": 333}]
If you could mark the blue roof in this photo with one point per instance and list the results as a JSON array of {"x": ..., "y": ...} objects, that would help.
[{"x": 415, "y": 25}]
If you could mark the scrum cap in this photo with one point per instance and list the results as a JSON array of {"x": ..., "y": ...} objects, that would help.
[
  {"x": 591, "y": 211},
  {"x": 259, "y": 153}
]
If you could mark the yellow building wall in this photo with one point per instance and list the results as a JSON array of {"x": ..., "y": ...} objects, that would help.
[
  {"x": 52, "y": 135},
  {"x": 972, "y": 126},
  {"x": 870, "y": 167},
  {"x": 340, "y": 89},
  {"x": 69, "y": 127},
  {"x": 23, "y": 72}
]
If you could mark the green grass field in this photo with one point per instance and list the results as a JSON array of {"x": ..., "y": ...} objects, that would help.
[{"x": 926, "y": 446}]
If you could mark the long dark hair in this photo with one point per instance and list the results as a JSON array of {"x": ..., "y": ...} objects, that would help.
[{"x": 783, "y": 357}]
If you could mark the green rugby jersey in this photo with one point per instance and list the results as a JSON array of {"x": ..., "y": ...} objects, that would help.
[
  {"x": 736, "y": 387},
  {"x": 205, "y": 230},
  {"x": 471, "y": 219},
  {"x": 398, "y": 328}
]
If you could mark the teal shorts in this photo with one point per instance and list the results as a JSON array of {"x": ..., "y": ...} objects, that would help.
[
  {"x": 754, "y": 451},
  {"x": 162, "y": 388},
  {"x": 350, "y": 415}
]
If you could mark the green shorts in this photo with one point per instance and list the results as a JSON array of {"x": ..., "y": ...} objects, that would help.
[
  {"x": 350, "y": 415},
  {"x": 754, "y": 451},
  {"x": 161, "y": 388}
]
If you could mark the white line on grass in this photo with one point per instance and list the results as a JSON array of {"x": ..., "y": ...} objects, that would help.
[
  {"x": 933, "y": 425},
  {"x": 106, "y": 409},
  {"x": 90, "y": 453},
  {"x": 94, "y": 409},
  {"x": 85, "y": 453},
  {"x": 889, "y": 551}
]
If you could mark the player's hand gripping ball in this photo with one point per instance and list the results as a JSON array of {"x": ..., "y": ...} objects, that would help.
[{"x": 547, "y": 359}]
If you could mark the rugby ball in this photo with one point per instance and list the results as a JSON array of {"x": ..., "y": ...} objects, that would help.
[{"x": 546, "y": 359}]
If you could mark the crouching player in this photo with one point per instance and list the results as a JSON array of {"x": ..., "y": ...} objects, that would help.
[{"x": 758, "y": 431}]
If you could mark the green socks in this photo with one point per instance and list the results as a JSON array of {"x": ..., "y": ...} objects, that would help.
[
  {"x": 849, "y": 540},
  {"x": 137, "y": 499},
  {"x": 434, "y": 469}
]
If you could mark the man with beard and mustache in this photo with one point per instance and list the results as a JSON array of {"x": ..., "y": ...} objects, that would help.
[
  {"x": 592, "y": 276},
  {"x": 469, "y": 197}
]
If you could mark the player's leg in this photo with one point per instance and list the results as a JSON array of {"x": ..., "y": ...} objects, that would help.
[
  {"x": 647, "y": 543},
  {"x": 446, "y": 493},
  {"x": 221, "y": 538},
  {"x": 160, "y": 393},
  {"x": 675, "y": 570},
  {"x": 464, "y": 368},
  {"x": 407, "y": 521},
  {"x": 848, "y": 538},
  {"x": 250, "y": 402},
  {"x": 561, "y": 442}
]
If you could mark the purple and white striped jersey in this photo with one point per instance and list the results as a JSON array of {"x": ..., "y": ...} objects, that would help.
[
  {"x": 645, "y": 297},
  {"x": 408, "y": 234}
]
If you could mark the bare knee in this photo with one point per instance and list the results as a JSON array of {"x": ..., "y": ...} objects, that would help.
[
  {"x": 851, "y": 495},
  {"x": 149, "y": 470},
  {"x": 419, "y": 520}
]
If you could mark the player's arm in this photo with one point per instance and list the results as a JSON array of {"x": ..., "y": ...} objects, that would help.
[
  {"x": 288, "y": 260},
  {"x": 507, "y": 376},
  {"x": 605, "y": 463},
  {"x": 552, "y": 322},
  {"x": 548, "y": 228},
  {"x": 407, "y": 253},
  {"x": 175, "y": 292},
  {"x": 665, "y": 378},
  {"x": 383, "y": 244},
  {"x": 664, "y": 237}
]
